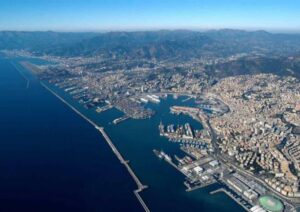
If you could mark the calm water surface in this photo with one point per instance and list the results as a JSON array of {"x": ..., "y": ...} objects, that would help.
[
  {"x": 53, "y": 159},
  {"x": 50, "y": 158}
]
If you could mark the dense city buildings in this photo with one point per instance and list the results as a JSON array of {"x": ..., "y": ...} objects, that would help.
[{"x": 249, "y": 138}]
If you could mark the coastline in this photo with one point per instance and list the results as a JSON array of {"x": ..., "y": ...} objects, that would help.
[
  {"x": 22, "y": 74},
  {"x": 140, "y": 186},
  {"x": 99, "y": 126}
]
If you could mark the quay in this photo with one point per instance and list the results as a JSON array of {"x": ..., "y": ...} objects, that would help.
[
  {"x": 231, "y": 196},
  {"x": 189, "y": 188},
  {"x": 187, "y": 152},
  {"x": 187, "y": 99},
  {"x": 118, "y": 120},
  {"x": 174, "y": 165},
  {"x": 104, "y": 108},
  {"x": 140, "y": 186}
]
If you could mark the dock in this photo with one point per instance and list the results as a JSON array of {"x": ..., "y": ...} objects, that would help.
[
  {"x": 187, "y": 99},
  {"x": 140, "y": 186},
  {"x": 118, "y": 120},
  {"x": 104, "y": 108},
  {"x": 189, "y": 188},
  {"x": 199, "y": 186},
  {"x": 231, "y": 196}
]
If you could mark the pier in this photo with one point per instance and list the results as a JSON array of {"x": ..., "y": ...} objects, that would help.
[
  {"x": 231, "y": 196},
  {"x": 202, "y": 184},
  {"x": 187, "y": 99},
  {"x": 189, "y": 189},
  {"x": 118, "y": 120},
  {"x": 104, "y": 108},
  {"x": 140, "y": 186}
]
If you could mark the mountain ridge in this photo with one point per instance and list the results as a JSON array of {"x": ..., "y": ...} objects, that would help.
[{"x": 161, "y": 44}]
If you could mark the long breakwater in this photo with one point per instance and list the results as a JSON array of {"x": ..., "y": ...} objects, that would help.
[
  {"x": 22, "y": 74},
  {"x": 140, "y": 186}
]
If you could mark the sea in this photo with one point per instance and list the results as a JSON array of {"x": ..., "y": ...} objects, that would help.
[{"x": 51, "y": 159}]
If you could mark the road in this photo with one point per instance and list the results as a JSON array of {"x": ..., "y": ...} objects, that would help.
[{"x": 218, "y": 156}]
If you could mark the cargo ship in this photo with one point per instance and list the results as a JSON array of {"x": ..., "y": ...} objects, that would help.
[
  {"x": 162, "y": 155},
  {"x": 159, "y": 154}
]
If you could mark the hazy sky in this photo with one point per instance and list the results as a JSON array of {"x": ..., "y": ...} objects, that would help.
[{"x": 94, "y": 15}]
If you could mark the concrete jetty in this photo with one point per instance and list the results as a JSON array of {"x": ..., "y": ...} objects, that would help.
[
  {"x": 118, "y": 120},
  {"x": 140, "y": 186},
  {"x": 231, "y": 196},
  {"x": 189, "y": 189},
  {"x": 104, "y": 108},
  {"x": 123, "y": 161}
]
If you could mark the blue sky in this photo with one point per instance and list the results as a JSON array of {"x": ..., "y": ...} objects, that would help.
[{"x": 97, "y": 15}]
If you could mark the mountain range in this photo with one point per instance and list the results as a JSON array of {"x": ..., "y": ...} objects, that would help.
[
  {"x": 163, "y": 44},
  {"x": 274, "y": 53}
]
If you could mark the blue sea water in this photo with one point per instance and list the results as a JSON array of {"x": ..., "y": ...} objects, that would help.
[
  {"x": 50, "y": 158},
  {"x": 54, "y": 159}
]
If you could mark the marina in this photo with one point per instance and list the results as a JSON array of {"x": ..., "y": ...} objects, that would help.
[
  {"x": 177, "y": 106},
  {"x": 195, "y": 179},
  {"x": 245, "y": 191}
]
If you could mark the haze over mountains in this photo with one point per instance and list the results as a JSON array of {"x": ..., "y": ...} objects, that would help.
[
  {"x": 273, "y": 51},
  {"x": 39, "y": 40}
]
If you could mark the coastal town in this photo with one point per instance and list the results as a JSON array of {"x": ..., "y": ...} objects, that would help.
[
  {"x": 250, "y": 140},
  {"x": 150, "y": 105},
  {"x": 256, "y": 144}
]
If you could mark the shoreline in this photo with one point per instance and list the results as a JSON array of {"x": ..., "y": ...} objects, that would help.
[
  {"x": 21, "y": 73},
  {"x": 140, "y": 186},
  {"x": 230, "y": 195}
]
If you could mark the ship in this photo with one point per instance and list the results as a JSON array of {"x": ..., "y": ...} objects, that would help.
[
  {"x": 167, "y": 157},
  {"x": 144, "y": 100},
  {"x": 161, "y": 128},
  {"x": 159, "y": 154},
  {"x": 153, "y": 98},
  {"x": 162, "y": 155}
]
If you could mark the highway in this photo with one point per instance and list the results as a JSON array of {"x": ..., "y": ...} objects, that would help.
[
  {"x": 204, "y": 120},
  {"x": 238, "y": 169}
]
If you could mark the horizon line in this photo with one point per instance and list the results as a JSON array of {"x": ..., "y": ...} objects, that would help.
[{"x": 141, "y": 29}]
